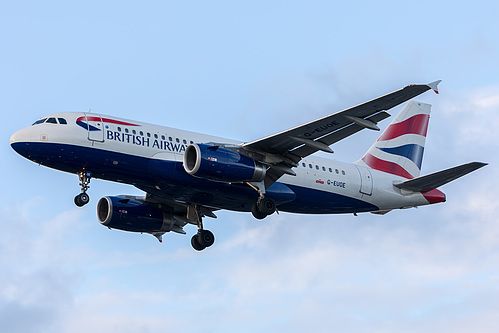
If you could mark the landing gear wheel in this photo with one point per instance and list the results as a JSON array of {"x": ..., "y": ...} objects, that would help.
[
  {"x": 205, "y": 238},
  {"x": 82, "y": 199},
  {"x": 195, "y": 243},
  {"x": 257, "y": 213},
  {"x": 266, "y": 206}
]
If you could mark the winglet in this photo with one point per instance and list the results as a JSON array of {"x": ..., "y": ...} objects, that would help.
[{"x": 434, "y": 85}]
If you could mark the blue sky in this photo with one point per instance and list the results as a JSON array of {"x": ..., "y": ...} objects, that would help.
[{"x": 245, "y": 71}]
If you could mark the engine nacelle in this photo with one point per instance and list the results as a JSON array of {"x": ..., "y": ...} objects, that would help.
[
  {"x": 221, "y": 164},
  {"x": 131, "y": 215}
]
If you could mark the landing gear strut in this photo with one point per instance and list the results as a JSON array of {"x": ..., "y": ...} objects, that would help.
[
  {"x": 82, "y": 199},
  {"x": 204, "y": 238}
]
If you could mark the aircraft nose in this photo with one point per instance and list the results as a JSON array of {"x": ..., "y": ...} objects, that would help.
[{"x": 19, "y": 141}]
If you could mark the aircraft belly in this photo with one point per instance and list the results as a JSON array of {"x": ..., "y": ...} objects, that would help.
[
  {"x": 313, "y": 201},
  {"x": 168, "y": 179},
  {"x": 103, "y": 164}
]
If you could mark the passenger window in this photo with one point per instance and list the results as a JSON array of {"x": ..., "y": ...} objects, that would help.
[
  {"x": 177, "y": 139},
  {"x": 141, "y": 133},
  {"x": 170, "y": 138},
  {"x": 126, "y": 130},
  {"x": 323, "y": 168},
  {"x": 62, "y": 121},
  {"x": 310, "y": 166},
  {"x": 163, "y": 138},
  {"x": 52, "y": 121},
  {"x": 148, "y": 134},
  {"x": 134, "y": 132},
  {"x": 303, "y": 165},
  {"x": 119, "y": 129},
  {"x": 155, "y": 136},
  {"x": 192, "y": 142},
  {"x": 343, "y": 172},
  {"x": 337, "y": 171},
  {"x": 39, "y": 121},
  {"x": 317, "y": 167},
  {"x": 184, "y": 141},
  {"x": 330, "y": 170}
]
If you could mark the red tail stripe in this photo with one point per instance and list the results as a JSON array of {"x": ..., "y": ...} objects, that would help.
[
  {"x": 385, "y": 166},
  {"x": 106, "y": 120},
  {"x": 417, "y": 124}
]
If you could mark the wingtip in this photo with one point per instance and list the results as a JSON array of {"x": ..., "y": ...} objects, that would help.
[
  {"x": 434, "y": 85},
  {"x": 480, "y": 164}
]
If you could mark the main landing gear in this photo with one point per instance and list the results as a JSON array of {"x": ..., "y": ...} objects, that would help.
[
  {"x": 82, "y": 199},
  {"x": 204, "y": 238},
  {"x": 263, "y": 206}
]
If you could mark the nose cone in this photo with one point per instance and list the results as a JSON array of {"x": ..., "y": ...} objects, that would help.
[{"x": 20, "y": 140}]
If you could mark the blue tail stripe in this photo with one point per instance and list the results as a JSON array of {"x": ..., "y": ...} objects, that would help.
[{"x": 411, "y": 151}]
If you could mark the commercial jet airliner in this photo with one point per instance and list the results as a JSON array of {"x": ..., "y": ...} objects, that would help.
[{"x": 188, "y": 176}]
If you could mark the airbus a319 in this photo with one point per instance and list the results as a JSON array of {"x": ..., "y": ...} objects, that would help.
[{"x": 188, "y": 176}]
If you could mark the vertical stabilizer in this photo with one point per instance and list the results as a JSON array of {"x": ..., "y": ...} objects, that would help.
[{"x": 399, "y": 150}]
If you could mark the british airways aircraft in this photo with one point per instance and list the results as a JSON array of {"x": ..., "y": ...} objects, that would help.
[{"x": 188, "y": 176}]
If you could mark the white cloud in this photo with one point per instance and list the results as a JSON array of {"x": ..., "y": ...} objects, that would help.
[
  {"x": 473, "y": 115},
  {"x": 37, "y": 278}
]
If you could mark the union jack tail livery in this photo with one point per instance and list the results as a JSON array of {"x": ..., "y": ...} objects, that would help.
[{"x": 399, "y": 150}]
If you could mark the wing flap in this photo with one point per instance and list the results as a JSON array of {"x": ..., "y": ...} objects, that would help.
[
  {"x": 334, "y": 137},
  {"x": 437, "y": 179}
]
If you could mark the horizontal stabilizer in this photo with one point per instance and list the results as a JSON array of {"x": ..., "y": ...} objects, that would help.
[
  {"x": 437, "y": 179},
  {"x": 434, "y": 86}
]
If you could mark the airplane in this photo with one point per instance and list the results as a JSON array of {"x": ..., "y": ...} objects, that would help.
[{"x": 188, "y": 176}]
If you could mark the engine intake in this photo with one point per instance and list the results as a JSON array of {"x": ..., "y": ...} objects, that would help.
[{"x": 221, "y": 164}]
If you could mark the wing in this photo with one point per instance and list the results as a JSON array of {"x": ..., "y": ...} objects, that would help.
[{"x": 284, "y": 150}]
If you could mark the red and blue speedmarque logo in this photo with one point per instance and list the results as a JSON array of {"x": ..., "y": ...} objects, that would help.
[{"x": 84, "y": 122}]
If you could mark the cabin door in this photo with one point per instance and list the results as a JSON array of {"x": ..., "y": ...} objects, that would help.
[
  {"x": 366, "y": 180},
  {"x": 95, "y": 127}
]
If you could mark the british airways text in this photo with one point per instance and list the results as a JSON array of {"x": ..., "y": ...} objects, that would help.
[{"x": 145, "y": 141}]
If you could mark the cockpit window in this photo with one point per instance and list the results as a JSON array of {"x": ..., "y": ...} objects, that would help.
[
  {"x": 39, "y": 121},
  {"x": 62, "y": 121},
  {"x": 52, "y": 121}
]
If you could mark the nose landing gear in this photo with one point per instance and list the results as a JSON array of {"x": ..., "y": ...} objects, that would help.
[{"x": 82, "y": 199}]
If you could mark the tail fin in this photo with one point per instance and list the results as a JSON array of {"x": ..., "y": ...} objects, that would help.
[{"x": 399, "y": 150}]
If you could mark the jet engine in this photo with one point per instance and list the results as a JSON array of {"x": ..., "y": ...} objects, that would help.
[
  {"x": 221, "y": 164},
  {"x": 131, "y": 215}
]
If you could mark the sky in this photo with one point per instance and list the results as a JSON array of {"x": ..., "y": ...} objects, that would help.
[{"x": 245, "y": 70}]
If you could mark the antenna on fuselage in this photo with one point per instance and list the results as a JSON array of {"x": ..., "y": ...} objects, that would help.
[{"x": 89, "y": 110}]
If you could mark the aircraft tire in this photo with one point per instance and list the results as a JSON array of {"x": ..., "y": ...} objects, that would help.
[
  {"x": 205, "y": 238},
  {"x": 266, "y": 206},
  {"x": 257, "y": 214},
  {"x": 195, "y": 243},
  {"x": 81, "y": 199}
]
